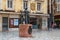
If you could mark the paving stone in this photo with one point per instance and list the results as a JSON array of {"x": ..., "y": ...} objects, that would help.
[{"x": 36, "y": 35}]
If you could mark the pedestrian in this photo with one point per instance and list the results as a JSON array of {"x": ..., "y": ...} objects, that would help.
[
  {"x": 55, "y": 25},
  {"x": 52, "y": 25}
]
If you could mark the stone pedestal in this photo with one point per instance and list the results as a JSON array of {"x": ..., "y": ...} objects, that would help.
[{"x": 25, "y": 30}]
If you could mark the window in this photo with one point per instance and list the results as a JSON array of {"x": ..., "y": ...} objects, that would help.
[
  {"x": 58, "y": 7},
  {"x": 38, "y": 6},
  {"x": 10, "y": 3},
  {"x": 25, "y": 4},
  {"x": 58, "y": 1},
  {"x": 14, "y": 22}
]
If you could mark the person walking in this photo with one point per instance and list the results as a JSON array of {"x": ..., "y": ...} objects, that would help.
[{"x": 52, "y": 25}]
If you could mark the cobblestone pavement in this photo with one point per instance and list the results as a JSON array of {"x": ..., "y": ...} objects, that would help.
[{"x": 37, "y": 35}]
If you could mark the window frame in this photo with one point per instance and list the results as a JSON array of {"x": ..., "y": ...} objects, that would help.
[
  {"x": 57, "y": 1},
  {"x": 9, "y": 8},
  {"x": 57, "y": 7},
  {"x": 11, "y": 23},
  {"x": 38, "y": 6},
  {"x": 25, "y": 5}
]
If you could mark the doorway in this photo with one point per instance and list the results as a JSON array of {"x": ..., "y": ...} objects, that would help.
[
  {"x": 33, "y": 21},
  {"x": 5, "y": 24},
  {"x": 39, "y": 22}
]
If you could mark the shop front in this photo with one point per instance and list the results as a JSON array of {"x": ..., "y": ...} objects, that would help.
[
  {"x": 33, "y": 21},
  {"x": 13, "y": 22},
  {"x": 39, "y": 21},
  {"x": 8, "y": 21}
]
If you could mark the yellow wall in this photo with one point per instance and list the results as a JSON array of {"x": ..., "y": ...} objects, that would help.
[
  {"x": 18, "y": 4},
  {"x": 44, "y": 6},
  {"x": 3, "y": 4},
  {"x": 33, "y": 6}
]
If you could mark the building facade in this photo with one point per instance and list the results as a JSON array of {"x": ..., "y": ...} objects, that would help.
[
  {"x": 10, "y": 13},
  {"x": 56, "y": 12}
]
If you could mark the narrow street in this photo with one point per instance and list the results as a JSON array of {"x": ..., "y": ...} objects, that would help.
[{"x": 36, "y": 35}]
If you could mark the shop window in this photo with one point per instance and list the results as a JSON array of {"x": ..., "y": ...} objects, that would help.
[
  {"x": 33, "y": 21},
  {"x": 14, "y": 23}
]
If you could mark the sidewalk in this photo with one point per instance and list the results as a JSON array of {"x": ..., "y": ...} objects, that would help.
[{"x": 37, "y": 35}]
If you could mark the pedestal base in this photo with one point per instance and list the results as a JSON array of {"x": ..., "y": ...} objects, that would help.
[{"x": 25, "y": 30}]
